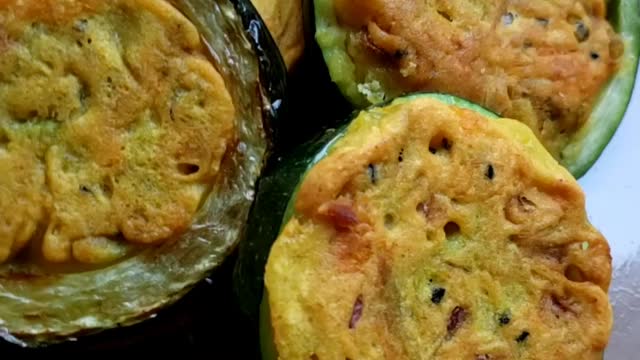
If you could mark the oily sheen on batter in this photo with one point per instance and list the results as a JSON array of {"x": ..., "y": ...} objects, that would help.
[
  {"x": 432, "y": 232},
  {"x": 113, "y": 125}
]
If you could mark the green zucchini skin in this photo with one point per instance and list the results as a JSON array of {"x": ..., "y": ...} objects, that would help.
[
  {"x": 274, "y": 191},
  {"x": 587, "y": 145},
  {"x": 138, "y": 289},
  {"x": 273, "y": 71},
  {"x": 609, "y": 110},
  {"x": 273, "y": 207}
]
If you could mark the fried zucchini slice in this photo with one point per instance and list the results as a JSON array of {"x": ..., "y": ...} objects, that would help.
[
  {"x": 566, "y": 69},
  {"x": 426, "y": 228},
  {"x": 132, "y": 133}
]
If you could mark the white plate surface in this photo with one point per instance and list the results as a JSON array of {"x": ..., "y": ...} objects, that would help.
[{"x": 612, "y": 189}]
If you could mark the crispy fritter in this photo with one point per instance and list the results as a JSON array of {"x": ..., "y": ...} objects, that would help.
[
  {"x": 541, "y": 62},
  {"x": 431, "y": 232},
  {"x": 113, "y": 125}
]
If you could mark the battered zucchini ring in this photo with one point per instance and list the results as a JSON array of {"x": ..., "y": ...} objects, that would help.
[
  {"x": 428, "y": 229},
  {"x": 564, "y": 68},
  {"x": 132, "y": 133}
]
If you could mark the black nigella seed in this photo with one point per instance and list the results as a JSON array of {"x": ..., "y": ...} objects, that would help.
[
  {"x": 85, "y": 189},
  {"x": 581, "y": 32},
  {"x": 401, "y": 155},
  {"x": 504, "y": 319},
  {"x": 490, "y": 174},
  {"x": 523, "y": 336},
  {"x": 445, "y": 144},
  {"x": 437, "y": 294},
  {"x": 373, "y": 173},
  {"x": 399, "y": 54},
  {"x": 594, "y": 55}
]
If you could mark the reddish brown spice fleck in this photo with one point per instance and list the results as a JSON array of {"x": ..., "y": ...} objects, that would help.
[
  {"x": 341, "y": 215},
  {"x": 457, "y": 318},
  {"x": 356, "y": 314},
  {"x": 559, "y": 306}
]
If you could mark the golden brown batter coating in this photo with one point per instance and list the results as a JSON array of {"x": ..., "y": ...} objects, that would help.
[
  {"x": 113, "y": 125},
  {"x": 429, "y": 232},
  {"x": 541, "y": 62}
]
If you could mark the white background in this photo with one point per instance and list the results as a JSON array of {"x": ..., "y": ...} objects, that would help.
[{"x": 612, "y": 189}]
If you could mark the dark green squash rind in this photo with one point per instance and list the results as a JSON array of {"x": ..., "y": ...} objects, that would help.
[
  {"x": 586, "y": 146},
  {"x": 273, "y": 71},
  {"x": 274, "y": 190},
  {"x": 40, "y": 309}
]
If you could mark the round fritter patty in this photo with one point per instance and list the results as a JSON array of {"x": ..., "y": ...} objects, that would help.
[
  {"x": 541, "y": 62},
  {"x": 113, "y": 125},
  {"x": 431, "y": 232},
  {"x": 284, "y": 20}
]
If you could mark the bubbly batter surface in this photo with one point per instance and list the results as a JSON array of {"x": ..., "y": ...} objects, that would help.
[
  {"x": 430, "y": 232},
  {"x": 113, "y": 125},
  {"x": 541, "y": 62}
]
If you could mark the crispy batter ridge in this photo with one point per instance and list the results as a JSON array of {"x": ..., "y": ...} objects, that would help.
[
  {"x": 432, "y": 232},
  {"x": 541, "y": 62},
  {"x": 113, "y": 125}
]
